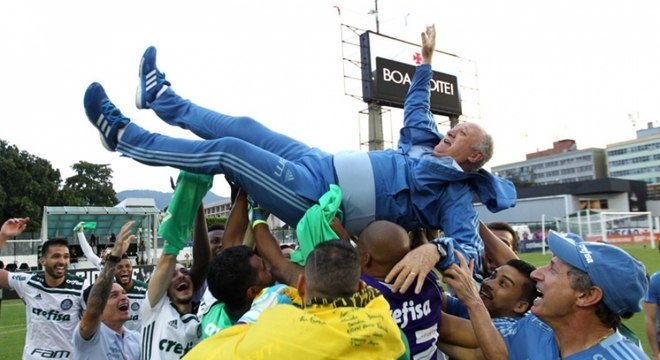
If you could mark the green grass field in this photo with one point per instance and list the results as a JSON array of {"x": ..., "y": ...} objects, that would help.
[
  {"x": 12, "y": 329},
  {"x": 12, "y": 312}
]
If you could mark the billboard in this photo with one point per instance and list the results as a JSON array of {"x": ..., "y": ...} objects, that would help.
[{"x": 386, "y": 76}]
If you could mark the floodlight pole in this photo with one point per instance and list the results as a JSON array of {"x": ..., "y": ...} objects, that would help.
[
  {"x": 376, "y": 13},
  {"x": 376, "y": 141}
]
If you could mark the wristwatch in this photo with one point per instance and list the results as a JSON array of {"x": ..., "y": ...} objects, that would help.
[{"x": 441, "y": 250}]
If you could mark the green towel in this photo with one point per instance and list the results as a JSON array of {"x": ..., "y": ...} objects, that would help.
[
  {"x": 178, "y": 220},
  {"x": 314, "y": 228},
  {"x": 86, "y": 225}
]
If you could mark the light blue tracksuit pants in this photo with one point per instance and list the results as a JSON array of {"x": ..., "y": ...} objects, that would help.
[{"x": 282, "y": 174}]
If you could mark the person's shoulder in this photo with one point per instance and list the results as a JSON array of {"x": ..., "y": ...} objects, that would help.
[
  {"x": 532, "y": 321},
  {"x": 160, "y": 304},
  {"x": 72, "y": 281},
  {"x": 620, "y": 347},
  {"x": 506, "y": 325}
]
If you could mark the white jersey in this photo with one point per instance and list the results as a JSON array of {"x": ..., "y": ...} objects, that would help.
[
  {"x": 136, "y": 297},
  {"x": 51, "y": 314},
  {"x": 166, "y": 334},
  {"x": 107, "y": 344}
]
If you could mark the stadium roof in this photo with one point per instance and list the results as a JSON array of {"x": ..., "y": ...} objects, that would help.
[{"x": 59, "y": 221}]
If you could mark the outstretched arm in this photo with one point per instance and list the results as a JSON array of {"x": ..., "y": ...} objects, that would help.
[
  {"x": 457, "y": 338},
  {"x": 650, "y": 323},
  {"x": 98, "y": 297},
  {"x": 428, "y": 44},
  {"x": 160, "y": 279},
  {"x": 282, "y": 268},
  {"x": 495, "y": 248},
  {"x": 87, "y": 249},
  {"x": 175, "y": 229},
  {"x": 201, "y": 250},
  {"x": 237, "y": 222},
  {"x": 419, "y": 126},
  {"x": 460, "y": 279}
]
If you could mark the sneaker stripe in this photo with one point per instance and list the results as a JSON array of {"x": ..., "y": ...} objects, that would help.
[
  {"x": 102, "y": 123},
  {"x": 104, "y": 127},
  {"x": 151, "y": 80}
]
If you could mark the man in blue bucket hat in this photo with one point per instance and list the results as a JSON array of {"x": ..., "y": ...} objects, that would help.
[{"x": 586, "y": 290}]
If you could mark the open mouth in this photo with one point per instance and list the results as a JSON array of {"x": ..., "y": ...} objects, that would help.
[
  {"x": 539, "y": 296},
  {"x": 484, "y": 293},
  {"x": 182, "y": 287},
  {"x": 123, "y": 307},
  {"x": 539, "y": 293},
  {"x": 124, "y": 277}
]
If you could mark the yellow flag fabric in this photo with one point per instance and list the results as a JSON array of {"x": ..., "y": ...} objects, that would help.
[{"x": 317, "y": 332}]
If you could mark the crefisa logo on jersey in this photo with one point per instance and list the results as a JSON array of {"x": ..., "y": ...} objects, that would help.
[
  {"x": 135, "y": 306},
  {"x": 66, "y": 304}
]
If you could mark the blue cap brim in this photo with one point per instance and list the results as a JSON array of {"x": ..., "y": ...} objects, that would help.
[{"x": 566, "y": 250}]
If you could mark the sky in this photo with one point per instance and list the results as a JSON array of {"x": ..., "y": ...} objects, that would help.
[{"x": 545, "y": 71}]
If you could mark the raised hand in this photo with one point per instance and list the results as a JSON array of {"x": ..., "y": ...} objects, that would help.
[
  {"x": 459, "y": 277},
  {"x": 12, "y": 227},
  {"x": 124, "y": 239},
  {"x": 428, "y": 44}
]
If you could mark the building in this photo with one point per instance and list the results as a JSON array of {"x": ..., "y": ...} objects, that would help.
[
  {"x": 638, "y": 159},
  {"x": 219, "y": 208},
  {"x": 223, "y": 208},
  {"x": 561, "y": 164},
  {"x": 576, "y": 207},
  {"x": 594, "y": 192}
]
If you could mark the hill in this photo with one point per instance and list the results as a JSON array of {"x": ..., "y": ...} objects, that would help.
[{"x": 162, "y": 198}]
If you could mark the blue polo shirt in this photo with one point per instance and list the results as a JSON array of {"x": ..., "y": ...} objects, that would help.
[{"x": 531, "y": 338}]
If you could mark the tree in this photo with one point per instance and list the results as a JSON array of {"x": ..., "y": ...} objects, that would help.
[
  {"x": 90, "y": 186},
  {"x": 212, "y": 220},
  {"x": 27, "y": 184}
]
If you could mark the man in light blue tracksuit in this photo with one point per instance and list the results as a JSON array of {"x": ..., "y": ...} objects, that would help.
[{"x": 427, "y": 182}]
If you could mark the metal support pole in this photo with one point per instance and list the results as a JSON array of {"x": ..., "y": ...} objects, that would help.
[{"x": 376, "y": 141}]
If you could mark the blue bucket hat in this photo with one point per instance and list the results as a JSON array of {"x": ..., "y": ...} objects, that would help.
[{"x": 621, "y": 277}]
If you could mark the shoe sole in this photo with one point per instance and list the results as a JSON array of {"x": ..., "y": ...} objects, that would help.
[
  {"x": 140, "y": 90},
  {"x": 105, "y": 144}
]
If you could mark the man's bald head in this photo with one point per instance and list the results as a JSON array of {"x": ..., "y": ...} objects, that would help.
[
  {"x": 468, "y": 144},
  {"x": 381, "y": 245}
]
